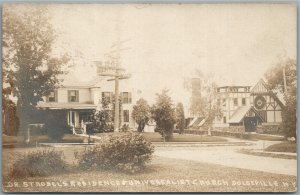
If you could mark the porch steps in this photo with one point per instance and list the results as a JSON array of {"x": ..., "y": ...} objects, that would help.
[{"x": 78, "y": 130}]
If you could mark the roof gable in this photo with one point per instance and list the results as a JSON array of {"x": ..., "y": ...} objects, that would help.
[{"x": 260, "y": 87}]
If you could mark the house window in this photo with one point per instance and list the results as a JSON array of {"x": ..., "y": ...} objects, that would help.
[
  {"x": 52, "y": 97},
  {"x": 107, "y": 96},
  {"x": 126, "y": 116},
  {"x": 73, "y": 95},
  {"x": 126, "y": 98},
  {"x": 224, "y": 119},
  {"x": 244, "y": 101},
  {"x": 235, "y": 101}
]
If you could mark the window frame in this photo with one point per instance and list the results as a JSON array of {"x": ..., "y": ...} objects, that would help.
[
  {"x": 76, "y": 96},
  {"x": 54, "y": 96}
]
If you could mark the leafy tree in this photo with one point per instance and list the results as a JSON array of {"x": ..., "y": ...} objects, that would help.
[
  {"x": 180, "y": 117},
  {"x": 274, "y": 76},
  {"x": 163, "y": 114},
  {"x": 211, "y": 109},
  {"x": 289, "y": 117},
  {"x": 56, "y": 124},
  {"x": 208, "y": 106},
  {"x": 28, "y": 64},
  {"x": 141, "y": 114},
  {"x": 275, "y": 81},
  {"x": 102, "y": 117}
]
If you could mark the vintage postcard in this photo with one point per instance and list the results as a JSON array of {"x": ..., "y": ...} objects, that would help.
[{"x": 149, "y": 97}]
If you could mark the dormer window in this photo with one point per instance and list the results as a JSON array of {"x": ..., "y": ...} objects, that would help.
[{"x": 73, "y": 96}]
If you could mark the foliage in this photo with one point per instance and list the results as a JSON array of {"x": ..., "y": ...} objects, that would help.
[
  {"x": 207, "y": 104},
  {"x": 56, "y": 124},
  {"x": 102, "y": 117},
  {"x": 274, "y": 76},
  {"x": 289, "y": 116},
  {"x": 124, "y": 128},
  {"x": 28, "y": 65},
  {"x": 163, "y": 114},
  {"x": 128, "y": 152},
  {"x": 39, "y": 163},
  {"x": 180, "y": 117},
  {"x": 9, "y": 117},
  {"x": 141, "y": 114},
  {"x": 275, "y": 82}
]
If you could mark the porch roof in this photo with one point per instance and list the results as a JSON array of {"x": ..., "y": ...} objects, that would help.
[
  {"x": 239, "y": 114},
  {"x": 56, "y": 105}
]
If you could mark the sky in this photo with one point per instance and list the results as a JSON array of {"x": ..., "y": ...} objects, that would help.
[{"x": 164, "y": 43}]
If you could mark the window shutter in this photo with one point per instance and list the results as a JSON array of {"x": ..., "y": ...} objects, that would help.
[
  {"x": 129, "y": 97},
  {"x": 122, "y": 97},
  {"x": 77, "y": 95},
  {"x": 69, "y": 96},
  {"x": 55, "y": 96}
]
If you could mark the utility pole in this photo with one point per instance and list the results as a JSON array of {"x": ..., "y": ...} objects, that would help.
[
  {"x": 117, "y": 75},
  {"x": 284, "y": 80}
]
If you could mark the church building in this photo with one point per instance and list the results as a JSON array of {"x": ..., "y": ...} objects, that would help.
[{"x": 248, "y": 106}]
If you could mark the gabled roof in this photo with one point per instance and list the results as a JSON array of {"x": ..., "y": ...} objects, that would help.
[
  {"x": 197, "y": 122},
  {"x": 71, "y": 80},
  {"x": 260, "y": 87},
  {"x": 240, "y": 113}
]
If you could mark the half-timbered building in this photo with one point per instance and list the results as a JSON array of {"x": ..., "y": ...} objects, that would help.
[{"x": 248, "y": 106}]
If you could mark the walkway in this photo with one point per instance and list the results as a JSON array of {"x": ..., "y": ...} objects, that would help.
[{"x": 228, "y": 156}]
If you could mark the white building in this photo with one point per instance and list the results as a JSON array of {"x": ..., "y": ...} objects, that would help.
[{"x": 80, "y": 99}]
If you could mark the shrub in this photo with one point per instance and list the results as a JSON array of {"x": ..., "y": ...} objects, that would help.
[
  {"x": 128, "y": 152},
  {"x": 39, "y": 163},
  {"x": 125, "y": 128},
  {"x": 56, "y": 125}
]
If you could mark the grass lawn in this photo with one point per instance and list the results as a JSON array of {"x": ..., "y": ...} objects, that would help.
[
  {"x": 283, "y": 147},
  {"x": 266, "y": 154},
  {"x": 162, "y": 175},
  {"x": 156, "y": 137},
  {"x": 266, "y": 137},
  {"x": 19, "y": 140}
]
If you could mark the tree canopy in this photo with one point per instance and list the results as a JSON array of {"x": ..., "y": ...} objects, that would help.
[
  {"x": 180, "y": 117},
  {"x": 141, "y": 113},
  {"x": 203, "y": 100},
  {"x": 29, "y": 66},
  {"x": 275, "y": 80},
  {"x": 163, "y": 113}
]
